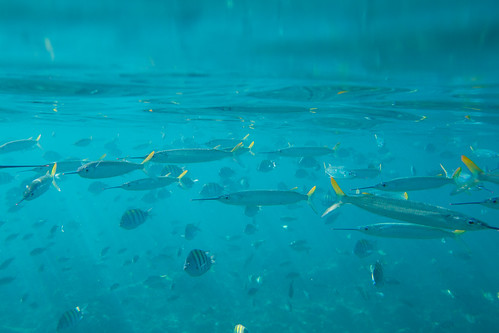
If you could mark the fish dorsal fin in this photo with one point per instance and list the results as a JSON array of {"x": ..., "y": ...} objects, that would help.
[
  {"x": 148, "y": 158},
  {"x": 38, "y": 137},
  {"x": 294, "y": 188},
  {"x": 237, "y": 147},
  {"x": 246, "y": 136},
  {"x": 445, "y": 171},
  {"x": 216, "y": 147},
  {"x": 337, "y": 188},
  {"x": 406, "y": 196},
  {"x": 456, "y": 174},
  {"x": 102, "y": 157},
  {"x": 52, "y": 174},
  {"x": 312, "y": 190},
  {"x": 474, "y": 169},
  {"x": 182, "y": 174}
]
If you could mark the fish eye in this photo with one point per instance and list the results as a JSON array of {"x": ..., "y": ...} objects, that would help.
[
  {"x": 494, "y": 200},
  {"x": 86, "y": 169},
  {"x": 471, "y": 221},
  {"x": 32, "y": 193},
  {"x": 383, "y": 184},
  {"x": 366, "y": 228}
]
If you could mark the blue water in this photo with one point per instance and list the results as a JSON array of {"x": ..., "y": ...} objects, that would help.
[{"x": 405, "y": 85}]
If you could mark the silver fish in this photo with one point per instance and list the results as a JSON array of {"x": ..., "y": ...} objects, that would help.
[
  {"x": 414, "y": 183},
  {"x": 18, "y": 145},
  {"x": 149, "y": 183},
  {"x": 404, "y": 230},
  {"x": 263, "y": 198},
  {"x": 408, "y": 211},
  {"x": 106, "y": 169},
  {"x": 40, "y": 185},
  {"x": 304, "y": 151},
  {"x": 490, "y": 203}
]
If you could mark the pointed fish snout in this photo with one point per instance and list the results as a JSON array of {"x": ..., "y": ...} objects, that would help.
[
  {"x": 465, "y": 203},
  {"x": 362, "y": 188},
  {"x": 202, "y": 199}
]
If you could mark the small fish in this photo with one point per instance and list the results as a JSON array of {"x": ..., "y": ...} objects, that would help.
[
  {"x": 132, "y": 218},
  {"x": 256, "y": 244},
  {"x": 364, "y": 248},
  {"x": 39, "y": 186},
  {"x": 377, "y": 275},
  {"x": 83, "y": 142},
  {"x": 171, "y": 170},
  {"x": 490, "y": 203},
  {"x": 240, "y": 329},
  {"x": 18, "y": 145},
  {"x": 250, "y": 229},
  {"x": 266, "y": 166},
  {"x": 107, "y": 169},
  {"x": 264, "y": 198},
  {"x": 145, "y": 184},
  {"x": 408, "y": 211},
  {"x": 405, "y": 230},
  {"x": 190, "y": 231},
  {"x": 198, "y": 262},
  {"x": 28, "y": 236},
  {"x": 226, "y": 173},
  {"x": 37, "y": 251},
  {"x": 97, "y": 187},
  {"x": 157, "y": 282},
  {"x": 300, "y": 245},
  {"x": 69, "y": 319},
  {"x": 291, "y": 290},
  {"x": 104, "y": 251},
  {"x": 11, "y": 237},
  {"x": 211, "y": 190},
  {"x": 114, "y": 286},
  {"x": 292, "y": 275},
  {"x": 6, "y": 263},
  {"x": 342, "y": 172},
  {"x": 251, "y": 211},
  {"x": 6, "y": 280}
]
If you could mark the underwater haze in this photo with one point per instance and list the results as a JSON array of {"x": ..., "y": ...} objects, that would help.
[{"x": 192, "y": 166}]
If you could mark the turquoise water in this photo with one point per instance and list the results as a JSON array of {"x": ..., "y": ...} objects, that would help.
[{"x": 402, "y": 87}]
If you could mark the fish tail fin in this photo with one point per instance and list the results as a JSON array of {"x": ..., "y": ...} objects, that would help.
[
  {"x": 445, "y": 171},
  {"x": 236, "y": 147},
  {"x": 52, "y": 174},
  {"x": 38, "y": 141},
  {"x": 309, "y": 199},
  {"x": 180, "y": 179},
  {"x": 474, "y": 169},
  {"x": 251, "y": 146},
  {"x": 340, "y": 195},
  {"x": 246, "y": 136},
  {"x": 148, "y": 158},
  {"x": 456, "y": 174}
]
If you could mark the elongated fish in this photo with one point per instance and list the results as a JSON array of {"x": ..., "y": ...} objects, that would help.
[
  {"x": 18, "y": 145},
  {"x": 304, "y": 151},
  {"x": 490, "y": 203},
  {"x": 415, "y": 183},
  {"x": 408, "y": 211},
  {"x": 194, "y": 155},
  {"x": 64, "y": 166},
  {"x": 24, "y": 166},
  {"x": 478, "y": 173},
  {"x": 149, "y": 183},
  {"x": 40, "y": 185},
  {"x": 263, "y": 198},
  {"x": 404, "y": 230},
  {"x": 107, "y": 169}
]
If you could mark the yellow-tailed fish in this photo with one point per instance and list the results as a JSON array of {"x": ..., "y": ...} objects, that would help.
[
  {"x": 150, "y": 183},
  {"x": 194, "y": 155},
  {"x": 404, "y": 230},
  {"x": 408, "y": 211},
  {"x": 304, "y": 151},
  {"x": 478, "y": 173},
  {"x": 107, "y": 169},
  {"x": 414, "y": 183},
  {"x": 40, "y": 185},
  {"x": 490, "y": 203},
  {"x": 240, "y": 329},
  {"x": 18, "y": 145},
  {"x": 264, "y": 198}
]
